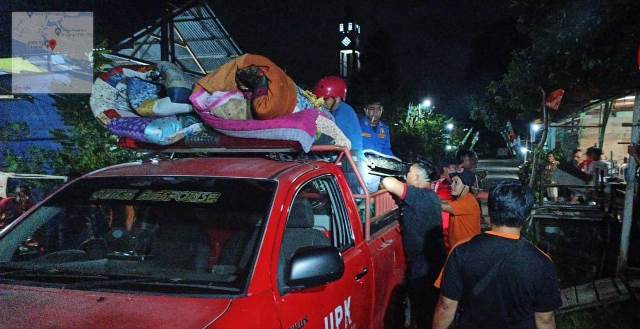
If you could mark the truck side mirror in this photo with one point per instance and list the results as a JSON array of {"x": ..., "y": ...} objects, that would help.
[{"x": 312, "y": 267}]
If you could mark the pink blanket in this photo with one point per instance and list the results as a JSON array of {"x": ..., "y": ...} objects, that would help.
[{"x": 299, "y": 126}]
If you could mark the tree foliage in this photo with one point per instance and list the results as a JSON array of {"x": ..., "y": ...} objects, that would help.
[
  {"x": 14, "y": 130},
  {"x": 587, "y": 48},
  {"x": 421, "y": 132},
  {"x": 86, "y": 145},
  {"x": 33, "y": 160}
]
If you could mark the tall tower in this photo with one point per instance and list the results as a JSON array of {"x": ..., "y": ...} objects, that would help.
[{"x": 349, "y": 45}]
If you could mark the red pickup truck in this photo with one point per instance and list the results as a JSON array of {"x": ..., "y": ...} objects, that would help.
[{"x": 226, "y": 241}]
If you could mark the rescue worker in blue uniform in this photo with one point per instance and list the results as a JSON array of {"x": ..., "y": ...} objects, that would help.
[
  {"x": 375, "y": 133},
  {"x": 376, "y": 137},
  {"x": 334, "y": 92}
]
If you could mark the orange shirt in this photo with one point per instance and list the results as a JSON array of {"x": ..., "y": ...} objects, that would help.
[
  {"x": 280, "y": 97},
  {"x": 465, "y": 222}
]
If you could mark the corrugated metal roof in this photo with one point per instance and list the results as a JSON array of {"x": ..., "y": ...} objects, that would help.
[{"x": 201, "y": 43}]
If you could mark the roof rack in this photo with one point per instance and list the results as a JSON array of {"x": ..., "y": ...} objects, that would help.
[
  {"x": 215, "y": 145},
  {"x": 220, "y": 150},
  {"x": 227, "y": 145},
  {"x": 275, "y": 149}
]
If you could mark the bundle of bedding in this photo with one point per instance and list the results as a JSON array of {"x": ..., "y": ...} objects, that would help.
[{"x": 248, "y": 97}]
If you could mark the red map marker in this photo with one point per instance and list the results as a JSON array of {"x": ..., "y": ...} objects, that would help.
[{"x": 52, "y": 44}]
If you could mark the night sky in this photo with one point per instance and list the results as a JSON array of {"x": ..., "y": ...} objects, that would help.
[
  {"x": 437, "y": 49},
  {"x": 431, "y": 41}
]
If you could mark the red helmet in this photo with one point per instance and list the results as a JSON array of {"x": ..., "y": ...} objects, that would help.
[{"x": 331, "y": 86}]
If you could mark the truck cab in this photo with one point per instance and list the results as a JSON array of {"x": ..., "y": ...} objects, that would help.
[{"x": 235, "y": 240}]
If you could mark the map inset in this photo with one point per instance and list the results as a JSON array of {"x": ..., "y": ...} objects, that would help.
[{"x": 52, "y": 52}]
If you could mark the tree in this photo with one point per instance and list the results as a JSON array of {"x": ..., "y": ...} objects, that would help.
[
  {"x": 86, "y": 146},
  {"x": 14, "y": 130},
  {"x": 587, "y": 49},
  {"x": 420, "y": 133},
  {"x": 34, "y": 160}
]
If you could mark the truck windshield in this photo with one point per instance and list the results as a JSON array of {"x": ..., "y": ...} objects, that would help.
[{"x": 142, "y": 233}]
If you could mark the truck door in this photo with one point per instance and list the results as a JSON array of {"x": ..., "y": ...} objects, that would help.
[{"x": 317, "y": 216}]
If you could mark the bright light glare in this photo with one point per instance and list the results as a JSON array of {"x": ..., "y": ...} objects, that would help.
[
  {"x": 426, "y": 102},
  {"x": 449, "y": 126},
  {"x": 535, "y": 127},
  {"x": 524, "y": 150},
  {"x": 448, "y": 148}
]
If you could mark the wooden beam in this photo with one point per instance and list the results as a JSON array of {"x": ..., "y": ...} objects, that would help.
[
  {"x": 570, "y": 126},
  {"x": 596, "y": 293}
]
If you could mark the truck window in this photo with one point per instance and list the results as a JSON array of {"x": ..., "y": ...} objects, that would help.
[
  {"x": 317, "y": 217},
  {"x": 166, "y": 232}
]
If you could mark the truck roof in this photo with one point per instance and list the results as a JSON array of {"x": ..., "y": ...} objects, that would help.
[{"x": 245, "y": 167}]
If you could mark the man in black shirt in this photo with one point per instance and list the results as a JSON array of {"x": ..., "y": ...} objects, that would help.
[
  {"x": 421, "y": 237},
  {"x": 498, "y": 279}
]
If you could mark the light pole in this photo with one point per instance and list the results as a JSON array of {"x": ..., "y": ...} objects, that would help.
[
  {"x": 534, "y": 128},
  {"x": 424, "y": 105}
]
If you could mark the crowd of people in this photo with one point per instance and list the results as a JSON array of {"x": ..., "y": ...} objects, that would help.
[
  {"x": 588, "y": 168},
  {"x": 456, "y": 273},
  {"x": 495, "y": 279}
]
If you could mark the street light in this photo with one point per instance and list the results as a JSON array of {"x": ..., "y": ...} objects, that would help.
[
  {"x": 449, "y": 126},
  {"x": 535, "y": 127},
  {"x": 426, "y": 102},
  {"x": 525, "y": 152}
]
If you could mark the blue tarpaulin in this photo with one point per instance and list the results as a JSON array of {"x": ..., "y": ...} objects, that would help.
[{"x": 40, "y": 116}]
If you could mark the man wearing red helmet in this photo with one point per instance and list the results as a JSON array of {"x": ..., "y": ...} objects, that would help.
[{"x": 334, "y": 91}]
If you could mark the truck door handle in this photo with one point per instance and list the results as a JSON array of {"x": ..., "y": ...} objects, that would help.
[{"x": 362, "y": 274}]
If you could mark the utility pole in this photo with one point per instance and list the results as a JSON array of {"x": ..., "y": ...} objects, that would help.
[
  {"x": 537, "y": 150},
  {"x": 630, "y": 196}
]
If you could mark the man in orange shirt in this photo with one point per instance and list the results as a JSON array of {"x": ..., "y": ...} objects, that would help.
[{"x": 465, "y": 213}]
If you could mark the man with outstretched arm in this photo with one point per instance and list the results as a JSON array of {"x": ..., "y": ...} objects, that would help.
[{"x": 421, "y": 238}]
